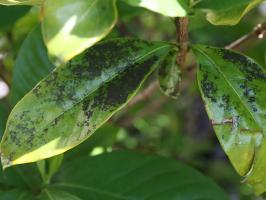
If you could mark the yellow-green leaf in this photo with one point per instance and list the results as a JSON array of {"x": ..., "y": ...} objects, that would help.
[
  {"x": 73, "y": 101},
  {"x": 69, "y": 27}
]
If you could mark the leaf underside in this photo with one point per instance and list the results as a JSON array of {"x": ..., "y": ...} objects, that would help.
[
  {"x": 233, "y": 89},
  {"x": 67, "y": 106}
]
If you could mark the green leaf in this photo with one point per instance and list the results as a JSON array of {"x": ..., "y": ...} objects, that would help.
[
  {"x": 128, "y": 175},
  {"x": 53, "y": 194},
  {"x": 227, "y": 12},
  {"x": 16, "y": 194},
  {"x": 171, "y": 8},
  {"x": 32, "y": 64},
  {"x": 17, "y": 12},
  {"x": 69, "y": 27},
  {"x": 3, "y": 116},
  {"x": 169, "y": 76},
  {"x": 20, "y": 2},
  {"x": 67, "y": 106},
  {"x": 233, "y": 88}
]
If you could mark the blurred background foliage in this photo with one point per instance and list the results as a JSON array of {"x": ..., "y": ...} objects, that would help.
[{"x": 178, "y": 129}]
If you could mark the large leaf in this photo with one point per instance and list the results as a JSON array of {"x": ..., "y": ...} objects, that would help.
[
  {"x": 75, "y": 99},
  {"x": 171, "y": 8},
  {"x": 128, "y": 175},
  {"x": 233, "y": 89},
  {"x": 20, "y": 2},
  {"x": 16, "y": 194},
  {"x": 3, "y": 116},
  {"x": 69, "y": 27},
  {"x": 169, "y": 75},
  {"x": 227, "y": 12},
  {"x": 32, "y": 64}
]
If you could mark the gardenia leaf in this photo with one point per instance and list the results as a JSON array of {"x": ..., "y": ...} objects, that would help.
[
  {"x": 20, "y": 2},
  {"x": 233, "y": 88},
  {"x": 226, "y": 12},
  {"x": 169, "y": 76},
  {"x": 69, "y": 27},
  {"x": 66, "y": 107},
  {"x": 171, "y": 8},
  {"x": 32, "y": 65}
]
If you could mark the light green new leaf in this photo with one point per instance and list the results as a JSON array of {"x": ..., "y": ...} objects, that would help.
[
  {"x": 66, "y": 107},
  {"x": 32, "y": 65},
  {"x": 233, "y": 89},
  {"x": 169, "y": 76},
  {"x": 171, "y": 8},
  {"x": 227, "y": 12},
  {"x": 128, "y": 175},
  {"x": 69, "y": 27},
  {"x": 20, "y": 2}
]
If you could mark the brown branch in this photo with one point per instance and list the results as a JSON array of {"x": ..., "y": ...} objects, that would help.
[
  {"x": 258, "y": 33},
  {"x": 181, "y": 25}
]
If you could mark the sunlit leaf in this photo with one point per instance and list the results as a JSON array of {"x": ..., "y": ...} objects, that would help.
[
  {"x": 227, "y": 12},
  {"x": 69, "y": 27},
  {"x": 32, "y": 64},
  {"x": 20, "y": 2},
  {"x": 171, "y": 8},
  {"x": 169, "y": 76},
  {"x": 233, "y": 88},
  {"x": 67, "y": 106}
]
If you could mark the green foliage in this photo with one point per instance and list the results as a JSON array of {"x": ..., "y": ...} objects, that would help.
[
  {"x": 80, "y": 96},
  {"x": 107, "y": 177},
  {"x": 58, "y": 106},
  {"x": 30, "y": 66},
  {"x": 227, "y": 12},
  {"x": 71, "y": 27},
  {"x": 233, "y": 88}
]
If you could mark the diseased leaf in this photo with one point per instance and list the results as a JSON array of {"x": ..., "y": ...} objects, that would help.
[
  {"x": 171, "y": 8},
  {"x": 233, "y": 88},
  {"x": 134, "y": 176},
  {"x": 69, "y": 27},
  {"x": 227, "y": 12},
  {"x": 66, "y": 107},
  {"x": 32, "y": 65},
  {"x": 169, "y": 75},
  {"x": 20, "y": 2}
]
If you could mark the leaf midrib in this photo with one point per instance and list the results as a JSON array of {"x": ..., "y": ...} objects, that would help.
[{"x": 107, "y": 80}]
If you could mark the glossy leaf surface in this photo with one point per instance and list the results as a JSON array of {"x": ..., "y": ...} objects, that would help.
[
  {"x": 227, "y": 12},
  {"x": 169, "y": 76},
  {"x": 32, "y": 65},
  {"x": 233, "y": 88},
  {"x": 69, "y": 27},
  {"x": 134, "y": 176},
  {"x": 67, "y": 106},
  {"x": 171, "y": 8},
  {"x": 20, "y": 2}
]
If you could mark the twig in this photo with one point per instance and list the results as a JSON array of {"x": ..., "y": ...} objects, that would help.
[
  {"x": 258, "y": 33},
  {"x": 181, "y": 25}
]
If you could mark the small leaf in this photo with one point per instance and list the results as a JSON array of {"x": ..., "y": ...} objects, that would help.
[
  {"x": 134, "y": 176},
  {"x": 226, "y": 12},
  {"x": 66, "y": 107},
  {"x": 20, "y": 2},
  {"x": 169, "y": 76},
  {"x": 233, "y": 88},
  {"x": 32, "y": 65},
  {"x": 69, "y": 27},
  {"x": 171, "y": 8}
]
